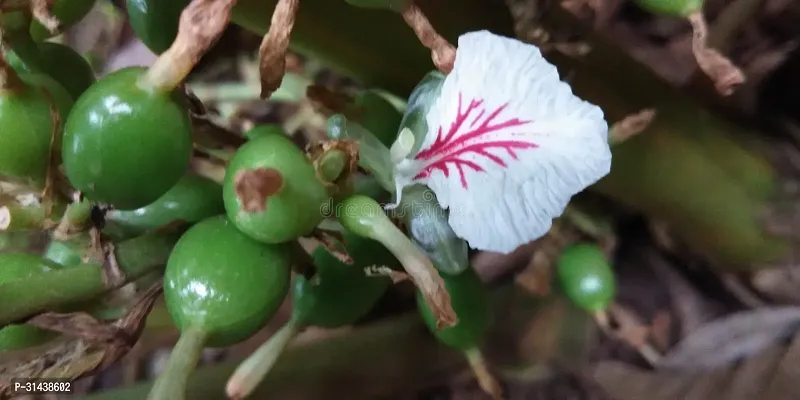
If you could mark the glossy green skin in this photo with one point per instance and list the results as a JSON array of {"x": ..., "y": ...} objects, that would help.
[
  {"x": 15, "y": 266},
  {"x": 344, "y": 293},
  {"x": 126, "y": 146},
  {"x": 68, "y": 12},
  {"x": 264, "y": 130},
  {"x": 296, "y": 209},
  {"x": 67, "y": 67},
  {"x": 59, "y": 61},
  {"x": 223, "y": 282},
  {"x": 27, "y": 127},
  {"x": 155, "y": 21},
  {"x": 470, "y": 302},
  {"x": 193, "y": 199},
  {"x": 678, "y": 8},
  {"x": 380, "y": 117},
  {"x": 586, "y": 277}
]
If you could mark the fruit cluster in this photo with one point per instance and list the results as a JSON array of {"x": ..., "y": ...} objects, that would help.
[{"x": 121, "y": 146}]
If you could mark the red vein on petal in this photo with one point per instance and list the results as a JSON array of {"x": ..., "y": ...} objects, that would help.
[{"x": 450, "y": 146}]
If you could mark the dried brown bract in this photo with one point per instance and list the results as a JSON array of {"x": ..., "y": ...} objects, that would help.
[
  {"x": 202, "y": 23},
  {"x": 631, "y": 125},
  {"x": 725, "y": 75},
  {"x": 442, "y": 52},
  {"x": 272, "y": 52}
]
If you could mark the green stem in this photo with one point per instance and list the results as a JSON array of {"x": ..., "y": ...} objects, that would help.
[
  {"x": 135, "y": 257},
  {"x": 171, "y": 383},
  {"x": 249, "y": 374}
]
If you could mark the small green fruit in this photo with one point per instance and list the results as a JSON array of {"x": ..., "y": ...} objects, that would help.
[
  {"x": 27, "y": 127},
  {"x": 586, "y": 277},
  {"x": 271, "y": 190},
  {"x": 124, "y": 145},
  {"x": 224, "y": 283}
]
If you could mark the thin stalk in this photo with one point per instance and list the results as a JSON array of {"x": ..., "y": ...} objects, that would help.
[
  {"x": 171, "y": 383},
  {"x": 249, "y": 374},
  {"x": 485, "y": 378},
  {"x": 135, "y": 257}
]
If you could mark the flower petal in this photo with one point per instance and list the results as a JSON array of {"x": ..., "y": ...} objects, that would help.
[{"x": 508, "y": 144}]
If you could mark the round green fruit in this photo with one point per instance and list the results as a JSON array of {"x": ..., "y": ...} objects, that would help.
[
  {"x": 470, "y": 302},
  {"x": 124, "y": 145},
  {"x": 223, "y": 283},
  {"x": 155, "y": 21},
  {"x": 586, "y": 277},
  {"x": 27, "y": 127},
  {"x": 271, "y": 190}
]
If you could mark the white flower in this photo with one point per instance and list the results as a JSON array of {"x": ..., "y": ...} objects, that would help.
[{"x": 508, "y": 144}]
